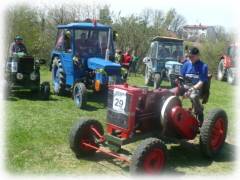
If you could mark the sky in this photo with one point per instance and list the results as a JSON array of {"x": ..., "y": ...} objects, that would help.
[{"x": 206, "y": 12}]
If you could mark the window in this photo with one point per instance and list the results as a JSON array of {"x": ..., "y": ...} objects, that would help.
[
  {"x": 60, "y": 40},
  {"x": 170, "y": 51},
  {"x": 91, "y": 42},
  {"x": 153, "y": 50},
  {"x": 63, "y": 41}
]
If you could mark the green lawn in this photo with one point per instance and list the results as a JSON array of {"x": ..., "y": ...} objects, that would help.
[{"x": 37, "y": 136}]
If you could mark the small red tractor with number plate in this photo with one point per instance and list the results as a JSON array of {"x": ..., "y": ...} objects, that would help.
[{"x": 153, "y": 116}]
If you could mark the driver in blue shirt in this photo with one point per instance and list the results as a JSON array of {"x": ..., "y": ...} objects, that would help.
[{"x": 195, "y": 73}]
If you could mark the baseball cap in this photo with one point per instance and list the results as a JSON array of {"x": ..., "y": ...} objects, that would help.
[
  {"x": 194, "y": 51},
  {"x": 18, "y": 37}
]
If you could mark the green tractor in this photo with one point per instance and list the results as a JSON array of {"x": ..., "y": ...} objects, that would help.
[{"x": 23, "y": 72}]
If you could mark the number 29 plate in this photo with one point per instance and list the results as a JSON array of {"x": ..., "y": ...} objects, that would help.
[{"x": 119, "y": 100}]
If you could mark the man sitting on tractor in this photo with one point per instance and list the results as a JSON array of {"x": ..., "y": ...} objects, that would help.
[
  {"x": 164, "y": 52},
  {"x": 93, "y": 43},
  {"x": 196, "y": 74},
  {"x": 82, "y": 44},
  {"x": 17, "y": 46}
]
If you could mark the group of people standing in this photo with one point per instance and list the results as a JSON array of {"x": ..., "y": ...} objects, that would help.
[{"x": 128, "y": 60}]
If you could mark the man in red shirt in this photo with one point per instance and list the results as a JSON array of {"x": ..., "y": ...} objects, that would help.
[{"x": 127, "y": 58}]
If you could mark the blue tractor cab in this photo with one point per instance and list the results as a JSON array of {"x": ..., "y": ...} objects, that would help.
[
  {"x": 83, "y": 58},
  {"x": 162, "y": 61}
]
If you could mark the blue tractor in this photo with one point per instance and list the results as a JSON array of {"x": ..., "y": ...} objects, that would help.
[
  {"x": 83, "y": 58},
  {"x": 163, "y": 60}
]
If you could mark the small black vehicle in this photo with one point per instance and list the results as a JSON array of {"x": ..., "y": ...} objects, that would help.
[{"x": 23, "y": 72}]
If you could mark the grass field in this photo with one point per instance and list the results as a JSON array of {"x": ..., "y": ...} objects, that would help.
[{"x": 37, "y": 136}]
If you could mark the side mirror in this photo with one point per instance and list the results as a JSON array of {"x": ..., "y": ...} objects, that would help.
[{"x": 42, "y": 61}]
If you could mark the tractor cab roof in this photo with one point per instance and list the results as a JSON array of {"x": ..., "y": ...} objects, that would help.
[
  {"x": 166, "y": 39},
  {"x": 84, "y": 25}
]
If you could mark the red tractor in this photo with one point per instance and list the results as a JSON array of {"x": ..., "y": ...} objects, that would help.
[
  {"x": 227, "y": 67},
  {"x": 152, "y": 116}
]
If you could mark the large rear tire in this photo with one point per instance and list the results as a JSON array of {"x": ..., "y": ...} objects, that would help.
[
  {"x": 58, "y": 77},
  {"x": 150, "y": 157},
  {"x": 221, "y": 71},
  {"x": 213, "y": 132},
  {"x": 82, "y": 133}
]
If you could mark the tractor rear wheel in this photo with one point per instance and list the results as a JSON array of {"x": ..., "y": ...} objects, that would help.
[
  {"x": 58, "y": 77},
  {"x": 221, "y": 71},
  {"x": 157, "y": 81},
  {"x": 80, "y": 95},
  {"x": 150, "y": 157},
  {"x": 213, "y": 132},
  {"x": 45, "y": 90},
  {"x": 230, "y": 76},
  {"x": 82, "y": 132}
]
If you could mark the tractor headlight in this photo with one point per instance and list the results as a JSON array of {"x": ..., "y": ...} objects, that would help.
[
  {"x": 33, "y": 76},
  {"x": 123, "y": 71},
  {"x": 19, "y": 76},
  {"x": 177, "y": 69},
  {"x": 75, "y": 59},
  {"x": 14, "y": 66},
  {"x": 101, "y": 71}
]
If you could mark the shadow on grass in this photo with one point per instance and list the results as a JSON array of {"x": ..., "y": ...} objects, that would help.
[
  {"x": 99, "y": 98},
  {"x": 189, "y": 155},
  {"x": 28, "y": 95},
  {"x": 183, "y": 155}
]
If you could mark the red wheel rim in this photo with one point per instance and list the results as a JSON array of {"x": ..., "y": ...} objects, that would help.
[
  {"x": 154, "y": 161},
  {"x": 217, "y": 135},
  {"x": 84, "y": 147},
  {"x": 88, "y": 138}
]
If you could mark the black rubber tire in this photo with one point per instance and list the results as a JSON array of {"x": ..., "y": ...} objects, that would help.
[
  {"x": 230, "y": 76},
  {"x": 147, "y": 77},
  {"x": 220, "y": 71},
  {"x": 62, "y": 77},
  {"x": 83, "y": 95},
  {"x": 206, "y": 132},
  {"x": 157, "y": 81},
  {"x": 82, "y": 130},
  {"x": 45, "y": 90},
  {"x": 35, "y": 91},
  {"x": 173, "y": 83},
  {"x": 142, "y": 151}
]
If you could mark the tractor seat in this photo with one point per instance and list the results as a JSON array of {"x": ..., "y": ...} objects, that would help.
[{"x": 206, "y": 90}]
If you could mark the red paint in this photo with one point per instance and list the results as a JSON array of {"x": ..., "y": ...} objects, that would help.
[
  {"x": 154, "y": 161},
  {"x": 184, "y": 122},
  {"x": 105, "y": 151},
  {"x": 217, "y": 135}
]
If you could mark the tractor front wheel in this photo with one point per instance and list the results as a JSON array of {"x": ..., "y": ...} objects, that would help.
[
  {"x": 45, "y": 90},
  {"x": 157, "y": 81},
  {"x": 147, "y": 77},
  {"x": 150, "y": 157},
  {"x": 213, "y": 132},
  {"x": 84, "y": 133},
  {"x": 230, "y": 76},
  {"x": 221, "y": 71},
  {"x": 80, "y": 95}
]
